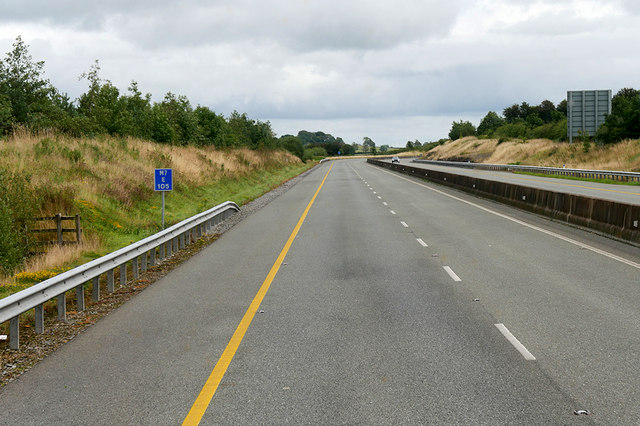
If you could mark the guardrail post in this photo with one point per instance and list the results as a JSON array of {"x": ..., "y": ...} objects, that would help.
[
  {"x": 176, "y": 245},
  {"x": 62, "y": 307},
  {"x": 181, "y": 238},
  {"x": 39, "y": 317},
  {"x": 152, "y": 255},
  {"x": 143, "y": 264},
  {"x": 80, "y": 298},
  {"x": 161, "y": 252},
  {"x": 14, "y": 333},
  {"x": 110, "y": 285},
  {"x": 95, "y": 289},
  {"x": 123, "y": 275},
  {"x": 168, "y": 246},
  {"x": 134, "y": 267}
]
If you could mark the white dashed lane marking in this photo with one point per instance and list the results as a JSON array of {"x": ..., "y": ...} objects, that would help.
[
  {"x": 515, "y": 342},
  {"x": 452, "y": 274}
]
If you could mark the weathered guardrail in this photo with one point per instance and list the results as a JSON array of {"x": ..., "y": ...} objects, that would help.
[
  {"x": 140, "y": 255},
  {"x": 580, "y": 173},
  {"x": 610, "y": 217}
]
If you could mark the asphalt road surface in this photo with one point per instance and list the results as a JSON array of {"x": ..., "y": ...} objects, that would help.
[
  {"x": 394, "y": 301},
  {"x": 628, "y": 194}
]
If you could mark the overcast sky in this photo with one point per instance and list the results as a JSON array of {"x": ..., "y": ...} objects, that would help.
[{"x": 392, "y": 70}]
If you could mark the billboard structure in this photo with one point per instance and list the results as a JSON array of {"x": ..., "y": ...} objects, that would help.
[{"x": 586, "y": 111}]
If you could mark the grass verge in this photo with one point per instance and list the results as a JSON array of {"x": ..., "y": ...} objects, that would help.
[{"x": 607, "y": 181}]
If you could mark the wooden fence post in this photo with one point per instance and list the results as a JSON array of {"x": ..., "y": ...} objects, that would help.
[
  {"x": 59, "y": 227},
  {"x": 78, "y": 230}
]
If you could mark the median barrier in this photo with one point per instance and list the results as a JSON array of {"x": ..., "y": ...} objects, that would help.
[{"x": 609, "y": 217}]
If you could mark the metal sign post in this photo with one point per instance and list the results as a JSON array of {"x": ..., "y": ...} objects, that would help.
[{"x": 163, "y": 183}]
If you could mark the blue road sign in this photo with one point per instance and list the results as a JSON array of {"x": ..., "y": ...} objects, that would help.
[{"x": 164, "y": 180}]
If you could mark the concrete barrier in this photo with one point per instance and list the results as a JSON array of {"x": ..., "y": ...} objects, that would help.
[{"x": 609, "y": 217}]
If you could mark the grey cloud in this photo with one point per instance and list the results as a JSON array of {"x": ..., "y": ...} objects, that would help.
[
  {"x": 86, "y": 15},
  {"x": 301, "y": 26},
  {"x": 632, "y": 6}
]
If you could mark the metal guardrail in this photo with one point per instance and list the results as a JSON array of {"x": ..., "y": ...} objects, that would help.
[
  {"x": 580, "y": 173},
  {"x": 140, "y": 254}
]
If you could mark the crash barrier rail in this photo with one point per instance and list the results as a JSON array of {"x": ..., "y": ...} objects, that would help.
[
  {"x": 613, "y": 218},
  {"x": 579, "y": 173},
  {"x": 140, "y": 254}
]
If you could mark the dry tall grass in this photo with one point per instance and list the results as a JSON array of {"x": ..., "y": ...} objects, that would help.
[
  {"x": 61, "y": 255},
  {"x": 69, "y": 172},
  {"x": 64, "y": 169},
  {"x": 624, "y": 156}
]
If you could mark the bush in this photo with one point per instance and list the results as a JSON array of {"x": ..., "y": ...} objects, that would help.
[
  {"x": 314, "y": 153},
  {"x": 556, "y": 131},
  {"x": 293, "y": 145},
  {"x": 17, "y": 207},
  {"x": 517, "y": 130},
  {"x": 460, "y": 129}
]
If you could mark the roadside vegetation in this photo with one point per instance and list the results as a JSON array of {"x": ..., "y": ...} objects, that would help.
[
  {"x": 622, "y": 156},
  {"x": 109, "y": 182},
  {"x": 536, "y": 135},
  {"x": 95, "y": 156},
  {"x": 548, "y": 121}
]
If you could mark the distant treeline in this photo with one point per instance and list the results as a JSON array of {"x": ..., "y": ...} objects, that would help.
[
  {"x": 28, "y": 100},
  {"x": 524, "y": 121}
]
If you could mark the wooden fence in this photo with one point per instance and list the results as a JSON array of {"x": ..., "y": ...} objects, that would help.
[{"x": 59, "y": 230}]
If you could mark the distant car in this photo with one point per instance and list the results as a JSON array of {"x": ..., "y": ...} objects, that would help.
[{"x": 395, "y": 160}]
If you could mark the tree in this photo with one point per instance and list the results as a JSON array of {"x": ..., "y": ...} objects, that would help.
[
  {"x": 562, "y": 107},
  {"x": 461, "y": 129},
  {"x": 546, "y": 110},
  {"x": 624, "y": 120},
  {"x": 138, "y": 110},
  {"x": 5, "y": 114},
  {"x": 384, "y": 148},
  {"x": 161, "y": 130},
  {"x": 293, "y": 145},
  {"x": 22, "y": 85},
  {"x": 512, "y": 113},
  {"x": 490, "y": 123},
  {"x": 212, "y": 127},
  {"x": 183, "y": 121},
  {"x": 368, "y": 144},
  {"x": 346, "y": 149}
]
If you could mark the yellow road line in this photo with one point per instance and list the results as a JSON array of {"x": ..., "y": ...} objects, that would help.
[{"x": 209, "y": 389}]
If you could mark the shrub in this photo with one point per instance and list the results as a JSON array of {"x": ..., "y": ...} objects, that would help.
[
  {"x": 460, "y": 129},
  {"x": 517, "y": 130},
  {"x": 556, "y": 131},
  {"x": 312, "y": 153},
  {"x": 17, "y": 207}
]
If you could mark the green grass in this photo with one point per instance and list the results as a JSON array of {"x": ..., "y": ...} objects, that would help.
[
  {"x": 119, "y": 228},
  {"x": 608, "y": 181}
]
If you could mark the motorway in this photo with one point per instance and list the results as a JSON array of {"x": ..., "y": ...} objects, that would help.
[
  {"x": 362, "y": 296},
  {"x": 628, "y": 194}
]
